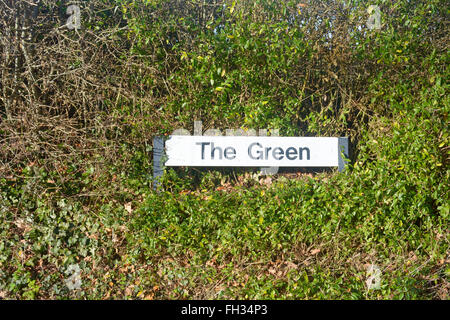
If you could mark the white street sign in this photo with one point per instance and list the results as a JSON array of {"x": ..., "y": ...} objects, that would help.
[{"x": 245, "y": 151}]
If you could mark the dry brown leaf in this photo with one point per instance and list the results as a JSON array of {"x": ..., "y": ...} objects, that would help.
[
  {"x": 129, "y": 291},
  {"x": 128, "y": 207},
  {"x": 291, "y": 265}
]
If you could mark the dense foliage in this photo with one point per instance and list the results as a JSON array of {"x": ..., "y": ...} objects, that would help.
[{"x": 78, "y": 110}]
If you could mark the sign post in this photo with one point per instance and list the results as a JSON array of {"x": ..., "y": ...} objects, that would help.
[{"x": 158, "y": 154}]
